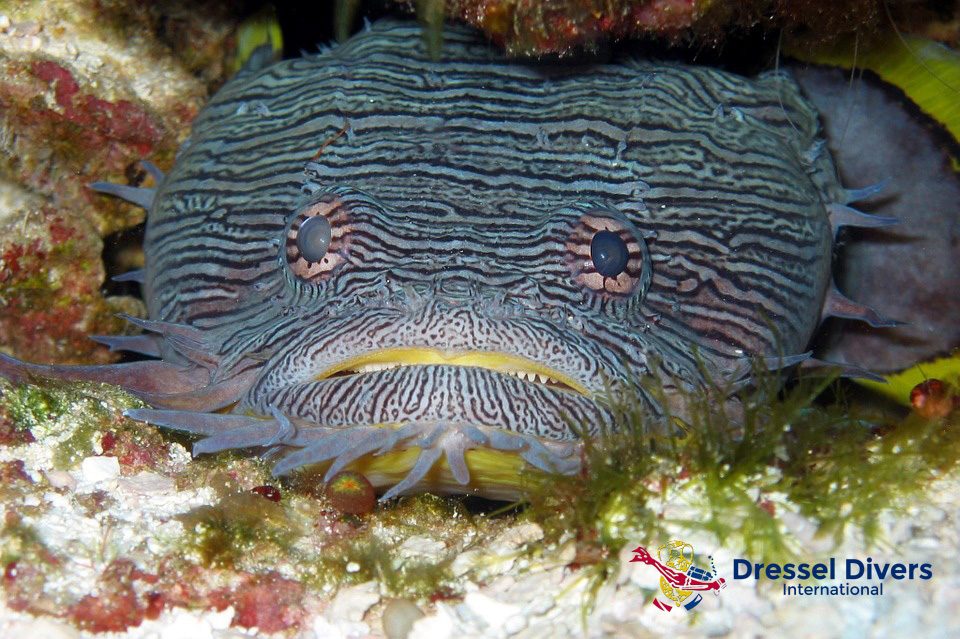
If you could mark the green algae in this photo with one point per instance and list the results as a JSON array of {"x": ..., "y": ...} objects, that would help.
[
  {"x": 372, "y": 549},
  {"x": 79, "y": 420},
  {"x": 32, "y": 407},
  {"x": 59, "y": 413},
  {"x": 246, "y": 532},
  {"x": 416, "y": 513},
  {"x": 240, "y": 527},
  {"x": 20, "y": 542},
  {"x": 72, "y": 417},
  {"x": 345, "y": 14},
  {"x": 370, "y": 558},
  {"x": 243, "y": 531},
  {"x": 732, "y": 473},
  {"x": 226, "y": 473},
  {"x": 430, "y": 15}
]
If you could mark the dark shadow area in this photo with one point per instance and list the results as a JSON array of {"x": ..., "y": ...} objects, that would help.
[
  {"x": 123, "y": 252},
  {"x": 481, "y": 506}
]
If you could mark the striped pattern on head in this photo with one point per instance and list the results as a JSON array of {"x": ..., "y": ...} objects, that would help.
[{"x": 456, "y": 203}]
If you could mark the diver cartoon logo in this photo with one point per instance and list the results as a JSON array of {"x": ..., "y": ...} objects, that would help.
[{"x": 679, "y": 578}]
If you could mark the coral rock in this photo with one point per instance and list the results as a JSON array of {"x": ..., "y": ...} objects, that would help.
[
  {"x": 88, "y": 89},
  {"x": 269, "y": 602}
]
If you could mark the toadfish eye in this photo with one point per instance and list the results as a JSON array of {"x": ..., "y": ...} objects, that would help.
[
  {"x": 316, "y": 242},
  {"x": 313, "y": 238},
  {"x": 609, "y": 253}
]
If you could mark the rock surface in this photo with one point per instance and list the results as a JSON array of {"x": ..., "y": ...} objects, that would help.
[
  {"x": 88, "y": 89},
  {"x": 909, "y": 272},
  {"x": 564, "y": 27}
]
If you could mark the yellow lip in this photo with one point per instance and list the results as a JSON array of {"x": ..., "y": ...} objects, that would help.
[{"x": 411, "y": 356}]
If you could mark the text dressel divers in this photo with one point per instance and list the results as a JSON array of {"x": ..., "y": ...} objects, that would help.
[
  {"x": 851, "y": 569},
  {"x": 868, "y": 574}
]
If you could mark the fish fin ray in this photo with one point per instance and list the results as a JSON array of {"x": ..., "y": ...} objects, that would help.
[
  {"x": 190, "y": 342},
  {"x": 864, "y": 193},
  {"x": 138, "y": 276},
  {"x": 142, "y": 344},
  {"x": 836, "y": 304},
  {"x": 153, "y": 170},
  {"x": 136, "y": 195},
  {"x": 425, "y": 461},
  {"x": 842, "y": 215},
  {"x": 850, "y": 371}
]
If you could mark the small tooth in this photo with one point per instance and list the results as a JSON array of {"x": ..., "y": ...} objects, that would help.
[
  {"x": 373, "y": 368},
  {"x": 526, "y": 375}
]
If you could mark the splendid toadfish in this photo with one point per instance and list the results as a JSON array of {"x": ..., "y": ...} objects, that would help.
[{"x": 369, "y": 251}]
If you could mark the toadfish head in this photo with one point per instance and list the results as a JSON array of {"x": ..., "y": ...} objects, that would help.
[{"x": 375, "y": 260}]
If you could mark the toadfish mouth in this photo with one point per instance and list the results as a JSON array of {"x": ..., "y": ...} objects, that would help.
[
  {"x": 521, "y": 367},
  {"x": 416, "y": 417}
]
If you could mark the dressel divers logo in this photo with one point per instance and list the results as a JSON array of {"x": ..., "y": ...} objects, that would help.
[{"x": 679, "y": 578}]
